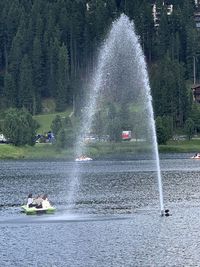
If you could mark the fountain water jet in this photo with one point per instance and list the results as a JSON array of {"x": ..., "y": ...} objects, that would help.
[{"x": 120, "y": 84}]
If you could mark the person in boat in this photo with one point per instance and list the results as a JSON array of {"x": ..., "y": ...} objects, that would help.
[
  {"x": 31, "y": 201},
  {"x": 45, "y": 202},
  {"x": 197, "y": 155},
  {"x": 38, "y": 202}
]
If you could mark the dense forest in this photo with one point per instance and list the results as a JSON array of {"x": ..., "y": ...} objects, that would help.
[{"x": 48, "y": 49}]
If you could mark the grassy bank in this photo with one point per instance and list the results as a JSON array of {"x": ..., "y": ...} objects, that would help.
[
  {"x": 39, "y": 151},
  {"x": 183, "y": 146},
  {"x": 99, "y": 150},
  {"x": 96, "y": 150},
  {"x": 45, "y": 120}
]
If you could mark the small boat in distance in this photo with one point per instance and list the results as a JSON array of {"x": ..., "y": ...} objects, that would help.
[
  {"x": 83, "y": 158},
  {"x": 196, "y": 156},
  {"x": 34, "y": 210}
]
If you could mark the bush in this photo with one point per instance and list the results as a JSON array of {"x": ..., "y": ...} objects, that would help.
[
  {"x": 189, "y": 128},
  {"x": 161, "y": 132},
  {"x": 65, "y": 138},
  {"x": 19, "y": 127}
]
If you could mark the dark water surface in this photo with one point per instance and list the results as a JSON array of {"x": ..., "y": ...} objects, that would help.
[{"x": 116, "y": 220}]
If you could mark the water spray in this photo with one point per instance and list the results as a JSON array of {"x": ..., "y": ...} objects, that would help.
[{"x": 121, "y": 75}]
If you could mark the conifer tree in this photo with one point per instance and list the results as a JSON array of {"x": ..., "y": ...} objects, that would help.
[
  {"x": 37, "y": 71},
  {"x": 62, "y": 94},
  {"x": 26, "y": 97},
  {"x": 10, "y": 91}
]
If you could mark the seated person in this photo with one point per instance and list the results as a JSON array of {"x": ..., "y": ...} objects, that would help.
[
  {"x": 30, "y": 201},
  {"x": 45, "y": 202},
  {"x": 38, "y": 202}
]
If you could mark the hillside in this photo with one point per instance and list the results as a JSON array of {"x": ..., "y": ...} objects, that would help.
[{"x": 48, "y": 49}]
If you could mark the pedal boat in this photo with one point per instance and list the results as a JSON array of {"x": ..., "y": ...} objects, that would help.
[
  {"x": 195, "y": 157},
  {"x": 83, "y": 158},
  {"x": 33, "y": 210}
]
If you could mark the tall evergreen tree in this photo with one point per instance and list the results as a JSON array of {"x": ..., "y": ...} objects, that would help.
[
  {"x": 37, "y": 71},
  {"x": 10, "y": 90},
  {"x": 62, "y": 92},
  {"x": 163, "y": 36},
  {"x": 169, "y": 91},
  {"x": 26, "y": 97},
  {"x": 15, "y": 57}
]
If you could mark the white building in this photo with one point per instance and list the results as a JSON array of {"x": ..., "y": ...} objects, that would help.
[
  {"x": 197, "y": 2},
  {"x": 156, "y": 12}
]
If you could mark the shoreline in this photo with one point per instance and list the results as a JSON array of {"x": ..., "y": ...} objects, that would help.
[{"x": 107, "y": 151}]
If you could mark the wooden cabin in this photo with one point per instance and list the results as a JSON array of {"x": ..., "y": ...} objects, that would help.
[{"x": 196, "y": 92}]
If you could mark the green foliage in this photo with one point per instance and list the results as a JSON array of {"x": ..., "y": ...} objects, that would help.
[
  {"x": 37, "y": 73},
  {"x": 10, "y": 90},
  {"x": 26, "y": 92},
  {"x": 56, "y": 125},
  {"x": 62, "y": 96},
  {"x": 99, "y": 123},
  {"x": 167, "y": 123},
  {"x": 195, "y": 116},
  {"x": 113, "y": 126},
  {"x": 65, "y": 138},
  {"x": 189, "y": 128},
  {"x": 124, "y": 117},
  {"x": 169, "y": 91},
  {"x": 161, "y": 131},
  {"x": 19, "y": 127},
  {"x": 67, "y": 123},
  {"x": 47, "y": 48},
  {"x": 64, "y": 132},
  {"x": 45, "y": 120}
]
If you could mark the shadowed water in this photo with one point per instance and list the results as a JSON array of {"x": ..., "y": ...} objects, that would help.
[{"x": 116, "y": 218}]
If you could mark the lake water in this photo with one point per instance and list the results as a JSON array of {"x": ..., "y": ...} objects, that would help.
[{"x": 116, "y": 220}]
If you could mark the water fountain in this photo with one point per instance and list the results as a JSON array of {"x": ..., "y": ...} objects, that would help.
[{"x": 120, "y": 95}]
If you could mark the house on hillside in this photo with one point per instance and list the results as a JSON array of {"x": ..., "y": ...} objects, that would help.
[
  {"x": 197, "y": 18},
  {"x": 197, "y": 3},
  {"x": 156, "y": 12},
  {"x": 196, "y": 92},
  {"x": 197, "y": 14}
]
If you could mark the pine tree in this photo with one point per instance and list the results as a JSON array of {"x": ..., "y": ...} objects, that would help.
[
  {"x": 10, "y": 91},
  {"x": 163, "y": 36},
  {"x": 62, "y": 94},
  {"x": 169, "y": 91},
  {"x": 37, "y": 72},
  {"x": 56, "y": 125},
  {"x": 26, "y": 97}
]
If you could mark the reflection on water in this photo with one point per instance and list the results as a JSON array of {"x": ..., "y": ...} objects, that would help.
[{"x": 116, "y": 219}]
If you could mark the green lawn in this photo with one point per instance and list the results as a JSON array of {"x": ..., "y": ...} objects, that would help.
[
  {"x": 10, "y": 152},
  {"x": 45, "y": 120},
  {"x": 39, "y": 151},
  {"x": 181, "y": 146}
]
